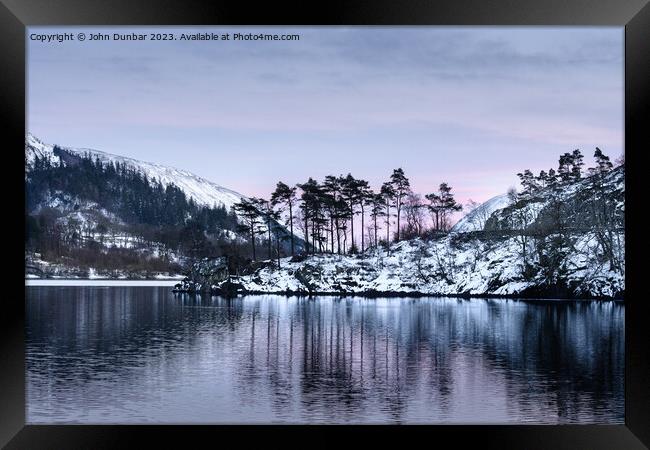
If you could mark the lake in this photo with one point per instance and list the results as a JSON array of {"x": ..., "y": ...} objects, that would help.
[{"x": 132, "y": 355}]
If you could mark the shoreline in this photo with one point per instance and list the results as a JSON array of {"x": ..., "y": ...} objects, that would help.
[
  {"x": 171, "y": 282},
  {"x": 414, "y": 295},
  {"x": 458, "y": 296}
]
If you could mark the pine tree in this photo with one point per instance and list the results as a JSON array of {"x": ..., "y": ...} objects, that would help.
[
  {"x": 286, "y": 195},
  {"x": 576, "y": 165},
  {"x": 542, "y": 179},
  {"x": 364, "y": 196},
  {"x": 551, "y": 179},
  {"x": 603, "y": 164},
  {"x": 564, "y": 168},
  {"x": 401, "y": 187},
  {"x": 350, "y": 192},
  {"x": 250, "y": 214},
  {"x": 448, "y": 203},
  {"x": 311, "y": 208},
  {"x": 267, "y": 215},
  {"x": 332, "y": 193},
  {"x": 388, "y": 194},
  {"x": 278, "y": 232},
  {"x": 376, "y": 202},
  {"x": 528, "y": 182},
  {"x": 435, "y": 207}
]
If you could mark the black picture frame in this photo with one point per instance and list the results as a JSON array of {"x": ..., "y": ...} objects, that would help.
[{"x": 634, "y": 15}]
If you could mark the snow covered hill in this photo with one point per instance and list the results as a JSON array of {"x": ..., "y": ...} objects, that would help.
[
  {"x": 583, "y": 257},
  {"x": 203, "y": 191},
  {"x": 586, "y": 204},
  {"x": 448, "y": 266},
  {"x": 475, "y": 220},
  {"x": 91, "y": 217},
  {"x": 34, "y": 147}
]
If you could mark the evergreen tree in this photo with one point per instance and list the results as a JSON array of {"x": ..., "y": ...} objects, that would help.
[
  {"x": 351, "y": 194},
  {"x": 337, "y": 208},
  {"x": 278, "y": 232},
  {"x": 603, "y": 164},
  {"x": 376, "y": 202},
  {"x": 435, "y": 207},
  {"x": 542, "y": 179},
  {"x": 565, "y": 168},
  {"x": 448, "y": 204},
  {"x": 552, "y": 181},
  {"x": 528, "y": 182},
  {"x": 576, "y": 165},
  {"x": 250, "y": 215},
  {"x": 388, "y": 194},
  {"x": 364, "y": 196},
  {"x": 401, "y": 187},
  {"x": 285, "y": 195},
  {"x": 441, "y": 205},
  {"x": 311, "y": 208},
  {"x": 266, "y": 215}
]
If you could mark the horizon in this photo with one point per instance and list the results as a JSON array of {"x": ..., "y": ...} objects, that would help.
[{"x": 341, "y": 100}]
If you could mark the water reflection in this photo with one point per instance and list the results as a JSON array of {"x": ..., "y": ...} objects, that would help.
[{"x": 136, "y": 355}]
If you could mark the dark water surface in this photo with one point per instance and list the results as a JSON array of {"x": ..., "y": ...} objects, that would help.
[{"x": 143, "y": 355}]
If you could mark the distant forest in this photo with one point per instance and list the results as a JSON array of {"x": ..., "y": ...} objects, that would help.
[{"x": 146, "y": 209}]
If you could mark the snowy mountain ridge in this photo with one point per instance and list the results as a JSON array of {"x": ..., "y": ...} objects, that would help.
[{"x": 203, "y": 191}]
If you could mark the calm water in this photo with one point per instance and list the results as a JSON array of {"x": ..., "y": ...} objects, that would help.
[{"x": 142, "y": 354}]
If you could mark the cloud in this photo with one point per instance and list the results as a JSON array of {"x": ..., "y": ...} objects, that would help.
[{"x": 339, "y": 90}]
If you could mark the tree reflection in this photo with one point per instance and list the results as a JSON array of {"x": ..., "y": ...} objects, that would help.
[{"x": 338, "y": 360}]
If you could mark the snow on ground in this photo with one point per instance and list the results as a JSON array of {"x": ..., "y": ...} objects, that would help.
[
  {"x": 433, "y": 267},
  {"x": 475, "y": 219},
  {"x": 169, "y": 277},
  {"x": 35, "y": 147}
]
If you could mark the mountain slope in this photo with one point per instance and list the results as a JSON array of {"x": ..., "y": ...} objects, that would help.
[
  {"x": 91, "y": 210},
  {"x": 203, "y": 191}
]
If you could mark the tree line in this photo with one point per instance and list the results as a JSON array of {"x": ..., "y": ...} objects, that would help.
[
  {"x": 326, "y": 212},
  {"x": 546, "y": 238},
  {"x": 569, "y": 171},
  {"x": 123, "y": 190}
]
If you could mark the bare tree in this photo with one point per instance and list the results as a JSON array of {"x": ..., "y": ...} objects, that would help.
[
  {"x": 413, "y": 209},
  {"x": 477, "y": 215},
  {"x": 520, "y": 220}
]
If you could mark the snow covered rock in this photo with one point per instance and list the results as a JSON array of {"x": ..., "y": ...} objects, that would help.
[{"x": 204, "y": 275}]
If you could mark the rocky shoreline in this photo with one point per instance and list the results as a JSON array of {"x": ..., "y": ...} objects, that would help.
[
  {"x": 211, "y": 277},
  {"x": 370, "y": 294}
]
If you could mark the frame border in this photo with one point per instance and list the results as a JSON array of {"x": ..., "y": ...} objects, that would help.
[{"x": 634, "y": 15}]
